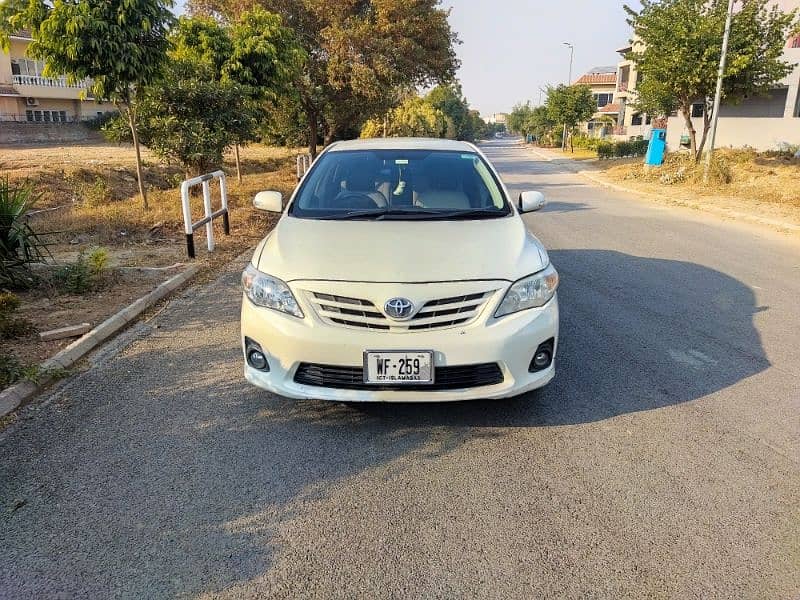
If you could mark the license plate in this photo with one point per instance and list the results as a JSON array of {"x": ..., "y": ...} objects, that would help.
[{"x": 398, "y": 367}]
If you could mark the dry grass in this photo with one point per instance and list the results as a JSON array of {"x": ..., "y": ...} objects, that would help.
[
  {"x": 744, "y": 174},
  {"x": 765, "y": 185},
  {"x": 94, "y": 192},
  {"x": 578, "y": 154}
]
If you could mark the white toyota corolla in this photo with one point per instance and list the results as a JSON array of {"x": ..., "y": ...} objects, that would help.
[{"x": 400, "y": 272}]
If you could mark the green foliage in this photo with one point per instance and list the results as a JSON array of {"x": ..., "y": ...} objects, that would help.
[
  {"x": 461, "y": 122},
  {"x": 361, "y": 56},
  {"x": 12, "y": 370},
  {"x": 117, "y": 44},
  {"x": 20, "y": 245},
  {"x": 570, "y": 104},
  {"x": 212, "y": 93},
  {"x": 679, "y": 54},
  {"x": 608, "y": 149},
  {"x": 536, "y": 121},
  {"x": 11, "y": 326},
  {"x": 85, "y": 274},
  {"x": 265, "y": 55},
  {"x": 415, "y": 117}
]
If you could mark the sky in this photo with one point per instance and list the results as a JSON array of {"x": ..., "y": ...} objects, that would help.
[{"x": 511, "y": 48}]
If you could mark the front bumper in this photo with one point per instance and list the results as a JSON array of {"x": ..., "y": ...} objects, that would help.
[{"x": 510, "y": 342}]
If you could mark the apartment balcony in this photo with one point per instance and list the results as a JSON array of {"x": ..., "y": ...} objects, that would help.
[{"x": 38, "y": 86}]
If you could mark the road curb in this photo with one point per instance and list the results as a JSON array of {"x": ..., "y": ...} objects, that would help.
[
  {"x": 11, "y": 398},
  {"x": 720, "y": 212}
]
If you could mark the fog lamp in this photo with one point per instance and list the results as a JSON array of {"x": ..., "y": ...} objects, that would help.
[{"x": 257, "y": 360}]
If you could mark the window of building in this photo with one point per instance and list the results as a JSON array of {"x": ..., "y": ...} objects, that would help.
[
  {"x": 697, "y": 110},
  {"x": 46, "y": 116},
  {"x": 648, "y": 120},
  {"x": 795, "y": 42},
  {"x": 603, "y": 99},
  {"x": 636, "y": 119}
]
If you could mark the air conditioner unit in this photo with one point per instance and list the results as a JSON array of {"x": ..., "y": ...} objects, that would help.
[{"x": 31, "y": 102}]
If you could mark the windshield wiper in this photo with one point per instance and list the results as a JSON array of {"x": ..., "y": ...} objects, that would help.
[
  {"x": 353, "y": 215},
  {"x": 415, "y": 214},
  {"x": 476, "y": 213}
]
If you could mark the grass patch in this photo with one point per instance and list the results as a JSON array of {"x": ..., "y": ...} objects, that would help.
[{"x": 770, "y": 177}]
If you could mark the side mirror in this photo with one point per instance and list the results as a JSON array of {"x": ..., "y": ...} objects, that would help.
[
  {"x": 530, "y": 201},
  {"x": 271, "y": 201}
]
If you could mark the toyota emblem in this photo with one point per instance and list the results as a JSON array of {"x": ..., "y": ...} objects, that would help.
[{"x": 399, "y": 309}]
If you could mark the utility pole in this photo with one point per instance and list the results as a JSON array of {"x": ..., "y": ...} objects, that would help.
[
  {"x": 718, "y": 94},
  {"x": 569, "y": 82}
]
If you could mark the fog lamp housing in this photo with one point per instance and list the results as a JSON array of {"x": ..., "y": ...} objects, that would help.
[
  {"x": 543, "y": 357},
  {"x": 255, "y": 356}
]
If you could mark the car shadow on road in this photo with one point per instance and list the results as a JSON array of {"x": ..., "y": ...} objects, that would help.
[
  {"x": 636, "y": 334},
  {"x": 193, "y": 482}
]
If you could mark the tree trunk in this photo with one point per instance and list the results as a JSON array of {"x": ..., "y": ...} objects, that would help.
[
  {"x": 687, "y": 115},
  {"x": 706, "y": 129},
  {"x": 139, "y": 174},
  {"x": 330, "y": 135},
  {"x": 238, "y": 163},
  {"x": 313, "y": 136}
]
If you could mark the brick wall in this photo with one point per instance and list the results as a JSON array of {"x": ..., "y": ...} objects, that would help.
[{"x": 45, "y": 133}]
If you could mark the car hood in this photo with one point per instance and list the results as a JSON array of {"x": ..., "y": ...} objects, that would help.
[{"x": 400, "y": 251}]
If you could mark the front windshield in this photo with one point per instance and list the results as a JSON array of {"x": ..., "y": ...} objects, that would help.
[{"x": 400, "y": 184}]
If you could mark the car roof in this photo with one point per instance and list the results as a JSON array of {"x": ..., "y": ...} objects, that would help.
[{"x": 399, "y": 143}]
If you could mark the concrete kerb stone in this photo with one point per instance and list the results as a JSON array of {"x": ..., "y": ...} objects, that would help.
[{"x": 12, "y": 397}]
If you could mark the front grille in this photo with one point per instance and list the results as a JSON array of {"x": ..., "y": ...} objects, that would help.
[
  {"x": 446, "y": 378},
  {"x": 439, "y": 313}
]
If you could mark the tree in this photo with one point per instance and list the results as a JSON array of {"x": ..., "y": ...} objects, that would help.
[
  {"x": 415, "y": 117},
  {"x": 117, "y": 45},
  {"x": 192, "y": 118},
  {"x": 451, "y": 102},
  {"x": 518, "y": 120},
  {"x": 265, "y": 57},
  {"x": 361, "y": 53},
  {"x": 679, "y": 54},
  {"x": 570, "y": 105},
  {"x": 212, "y": 92}
]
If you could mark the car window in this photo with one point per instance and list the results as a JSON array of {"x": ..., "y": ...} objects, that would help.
[{"x": 411, "y": 183}]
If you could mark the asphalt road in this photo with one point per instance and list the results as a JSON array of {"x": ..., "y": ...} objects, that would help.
[{"x": 663, "y": 461}]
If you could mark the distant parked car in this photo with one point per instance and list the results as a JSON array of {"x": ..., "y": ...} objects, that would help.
[{"x": 400, "y": 271}]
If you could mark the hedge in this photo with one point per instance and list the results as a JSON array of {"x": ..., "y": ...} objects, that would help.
[{"x": 622, "y": 149}]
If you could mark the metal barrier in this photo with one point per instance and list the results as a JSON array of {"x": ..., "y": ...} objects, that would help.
[
  {"x": 303, "y": 164},
  {"x": 189, "y": 226}
]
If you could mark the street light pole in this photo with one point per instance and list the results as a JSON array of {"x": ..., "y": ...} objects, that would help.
[
  {"x": 569, "y": 82},
  {"x": 718, "y": 94}
]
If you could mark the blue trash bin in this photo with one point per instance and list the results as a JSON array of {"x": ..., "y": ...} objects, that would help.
[{"x": 656, "y": 148}]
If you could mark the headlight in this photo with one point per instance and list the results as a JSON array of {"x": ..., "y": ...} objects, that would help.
[
  {"x": 530, "y": 292},
  {"x": 270, "y": 292}
]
